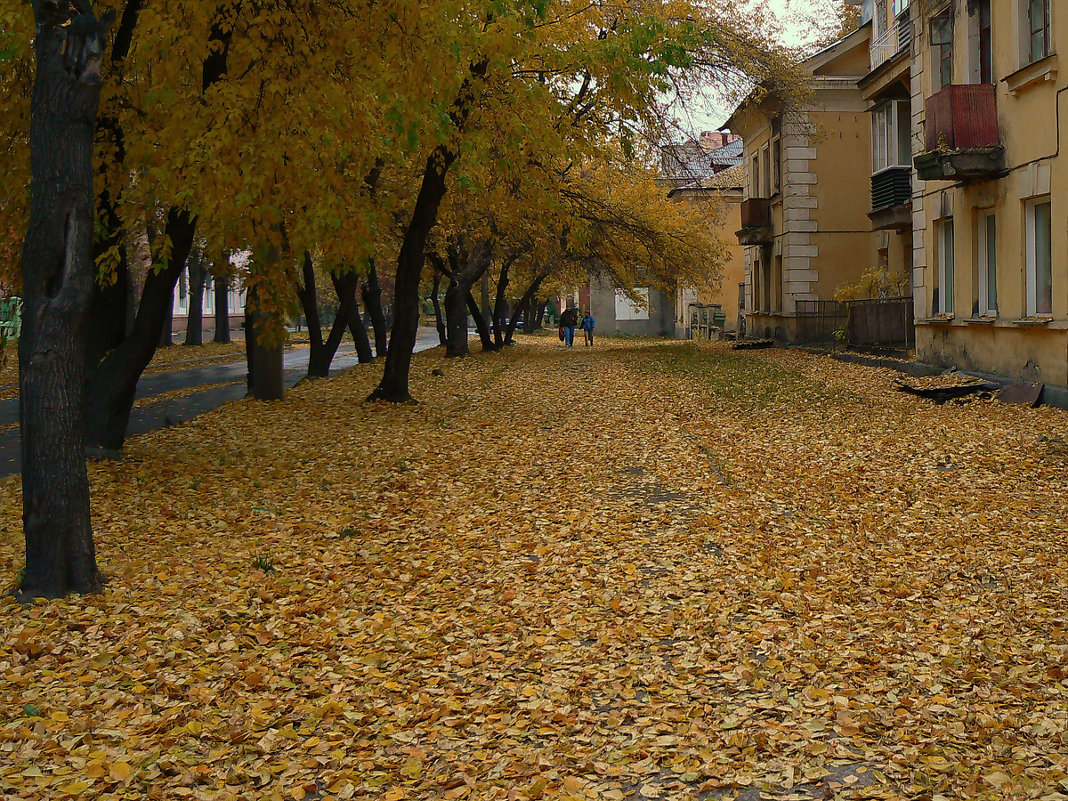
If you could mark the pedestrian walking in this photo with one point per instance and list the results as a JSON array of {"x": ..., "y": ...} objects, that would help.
[
  {"x": 568, "y": 323},
  {"x": 588, "y": 324}
]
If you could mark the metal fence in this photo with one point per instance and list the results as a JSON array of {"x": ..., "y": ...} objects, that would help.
[
  {"x": 881, "y": 324},
  {"x": 818, "y": 320}
]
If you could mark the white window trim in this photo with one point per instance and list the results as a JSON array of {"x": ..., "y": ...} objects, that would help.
[
  {"x": 1031, "y": 257},
  {"x": 986, "y": 309},
  {"x": 626, "y": 310},
  {"x": 945, "y": 277},
  {"x": 888, "y": 116}
]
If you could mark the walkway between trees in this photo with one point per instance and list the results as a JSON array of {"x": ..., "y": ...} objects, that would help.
[
  {"x": 154, "y": 416},
  {"x": 638, "y": 571}
]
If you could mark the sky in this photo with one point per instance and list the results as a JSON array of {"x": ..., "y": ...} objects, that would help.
[{"x": 794, "y": 18}]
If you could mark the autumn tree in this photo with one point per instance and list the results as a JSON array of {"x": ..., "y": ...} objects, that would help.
[{"x": 57, "y": 281}]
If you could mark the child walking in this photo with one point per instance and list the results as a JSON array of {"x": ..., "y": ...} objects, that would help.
[{"x": 588, "y": 324}]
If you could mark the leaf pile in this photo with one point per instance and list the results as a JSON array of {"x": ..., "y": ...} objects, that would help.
[{"x": 634, "y": 572}]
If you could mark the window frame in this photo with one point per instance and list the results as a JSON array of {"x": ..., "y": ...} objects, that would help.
[
  {"x": 945, "y": 247},
  {"x": 942, "y": 51},
  {"x": 886, "y": 122},
  {"x": 1031, "y": 258},
  {"x": 986, "y": 251},
  {"x": 1032, "y": 29}
]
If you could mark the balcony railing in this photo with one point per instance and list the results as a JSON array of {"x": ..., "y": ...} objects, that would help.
[
  {"x": 961, "y": 135},
  {"x": 896, "y": 38}
]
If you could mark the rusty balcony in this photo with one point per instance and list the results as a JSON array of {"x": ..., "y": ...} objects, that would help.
[
  {"x": 961, "y": 137},
  {"x": 756, "y": 222}
]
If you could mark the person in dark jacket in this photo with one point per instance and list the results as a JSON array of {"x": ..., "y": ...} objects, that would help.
[
  {"x": 588, "y": 324},
  {"x": 568, "y": 322}
]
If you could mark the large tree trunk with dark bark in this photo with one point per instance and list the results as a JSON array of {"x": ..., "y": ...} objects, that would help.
[
  {"x": 500, "y": 305},
  {"x": 266, "y": 375},
  {"x": 57, "y": 278},
  {"x": 372, "y": 301},
  {"x": 222, "y": 308},
  {"x": 113, "y": 381},
  {"x": 345, "y": 287},
  {"x": 197, "y": 270},
  {"x": 394, "y": 384}
]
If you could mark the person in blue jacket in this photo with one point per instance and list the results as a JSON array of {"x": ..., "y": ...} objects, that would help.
[{"x": 588, "y": 324}]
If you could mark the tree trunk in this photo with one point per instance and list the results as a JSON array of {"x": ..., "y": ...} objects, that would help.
[
  {"x": 439, "y": 319},
  {"x": 222, "y": 308},
  {"x": 108, "y": 312},
  {"x": 394, "y": 384},
  {"x": 266, "y": 375},
  {"x": 166, "y": 334},
  {"x": 345, "y": 287},
  {"x": 540, "y": 315},
  {"x": 499, "y": 305},
  {"x": 526, "y": 302},
  {"x": 372, "y": 301},
  {"x": 487, "y": 312},
  {"x": 57, "y": 275},
  {"x": 467, "y": 268},
  {"x": 480, "y": 324},
  {"x": 197, "y": 271},
  {"x": 113, "y": 381},
  {"x": 322, "y": 351}
]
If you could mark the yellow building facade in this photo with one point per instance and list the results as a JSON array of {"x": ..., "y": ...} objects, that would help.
[
  {"x": 805, "y": 227},
  {"x": 990, "y": 222}
]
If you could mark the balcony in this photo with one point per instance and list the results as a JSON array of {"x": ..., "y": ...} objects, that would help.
[
  {"x": 962, "y": 140},
  {"x": 891, "y": 199},
  {"x": 896, "y": 38},
  {"x": 756, "y": 222}
]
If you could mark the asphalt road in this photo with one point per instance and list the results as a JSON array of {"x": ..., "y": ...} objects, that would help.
[{"x": 154, "y": 416}]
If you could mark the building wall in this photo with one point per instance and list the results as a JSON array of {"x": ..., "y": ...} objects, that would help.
[
  {"x": 1010, "y": 343},
  {"x": 661, "y": 322}
]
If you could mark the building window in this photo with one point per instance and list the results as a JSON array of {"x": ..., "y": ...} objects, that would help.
[
  {"x": 891, "y": 136},
  {"x": 1039, "y": 258},
  {"x": 776, "y": 165},
  {"x": 943, "y": 301},
  {"x": 754, "y": 178},
  {"x": 986, "y": 40},
  {"x": 766, "y": 171},
  {"x": 1037, "y": 33},
  {"x": 942, "y": 49},
  {"x": 626, "y": 309},
  {"x": 987, "y": 252}
]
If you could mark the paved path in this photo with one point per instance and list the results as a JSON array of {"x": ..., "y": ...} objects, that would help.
[{"x": 154, "y": 416}]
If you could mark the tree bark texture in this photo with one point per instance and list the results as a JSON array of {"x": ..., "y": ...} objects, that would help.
[
  {"x": 345, "y": 287},
  {"x": 480, "y": 324},
  {"x": 222, "y": 308},
  {"x": 112, "y": 383},
  {"x": 166, "y": 333},
  {"x": 500, "y": 305},
  {"x": 197, "y": 270},
  {"x": 57, "y": 274},
  {"x": 372, "y": 301},
  {"x": 266, "y": 378},
  {"x": 322, "y": 350},
  {"x": 467, "y": 268}
]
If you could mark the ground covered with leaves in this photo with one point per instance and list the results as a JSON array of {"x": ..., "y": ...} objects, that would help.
[{"x": 637, "y": 571}]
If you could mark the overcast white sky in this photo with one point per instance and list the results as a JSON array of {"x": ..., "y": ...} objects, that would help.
[{"x": 795, "y": 18}]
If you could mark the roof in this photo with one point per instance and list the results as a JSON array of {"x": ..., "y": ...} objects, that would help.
[
  {"x": 733, "y": 178},
  {"x": 689, "y": 162}
]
